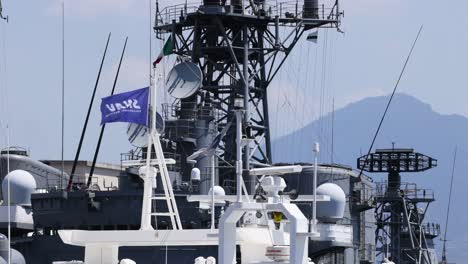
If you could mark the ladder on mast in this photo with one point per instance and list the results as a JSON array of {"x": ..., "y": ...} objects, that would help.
[{"x": 172, "y": 211}]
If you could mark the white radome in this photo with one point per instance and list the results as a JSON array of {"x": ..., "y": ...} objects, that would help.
[
  {"x": 127, "y": 261},
  {"x": 333, "y": 210},
  {"x": 195, "y": 174},
  {"x": 218, "y": 191},
  {"x": 22, "y": 185}
]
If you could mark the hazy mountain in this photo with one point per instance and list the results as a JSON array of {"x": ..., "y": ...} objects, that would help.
[{"x": 410, "y": 123}]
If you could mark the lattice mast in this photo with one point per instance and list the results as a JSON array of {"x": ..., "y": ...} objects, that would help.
[
  {"x": 401, "y": 207},
  {"x": 238, "y": 46}
]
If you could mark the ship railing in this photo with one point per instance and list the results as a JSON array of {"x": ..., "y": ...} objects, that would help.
[
  {"x": 188, "y": 111},
  {"x": 292, "y": 9},
  {"x": 297, "y": 10},
  {"x": 140, "y": 154},
  {"x": 409, "y": 190},
  {"x": 431, "y": 229},
  {"x": 173, "y": 12},
  {"x": 79, "y": 182},
  {"x": 230, "y": 186},
  {"x": 180, "y": 122}
]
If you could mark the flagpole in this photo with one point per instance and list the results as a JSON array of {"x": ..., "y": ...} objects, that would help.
[
  {"x": 9, "y": 196},
  {"x": 147, "y": 189}
]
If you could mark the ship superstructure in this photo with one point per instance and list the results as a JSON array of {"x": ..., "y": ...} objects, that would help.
[
  {"x": 402, "y": 232},
  {"x": 227, "y": 53}
]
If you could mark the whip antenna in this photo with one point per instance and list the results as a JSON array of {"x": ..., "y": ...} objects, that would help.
[{"x": 391, "y": 98}]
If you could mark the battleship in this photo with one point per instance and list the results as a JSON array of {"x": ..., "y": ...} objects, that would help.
[{"x": 201, "y": 184}]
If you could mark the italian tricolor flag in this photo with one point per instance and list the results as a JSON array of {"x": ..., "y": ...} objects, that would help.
[{"x": 166, "y": 50}]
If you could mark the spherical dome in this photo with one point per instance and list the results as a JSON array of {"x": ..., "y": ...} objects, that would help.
[
  {"x": 22, "y": 184},
  {"x": 127, "y": 261},
  {"x": 218, "y": 191},
  {"x": 210, "y": 260},
  {"x": 3, "y": 243},
  {"x": 333, "y": 210},
  {"x": 16, "y": 256},
  {"x": 200, "y": 260},
  {"x": 195, "y": 174}
]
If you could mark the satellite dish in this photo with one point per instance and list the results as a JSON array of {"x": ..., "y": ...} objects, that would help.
[
  {"x": 184, "y": 80},
  {"x": 138, "y": 134}
]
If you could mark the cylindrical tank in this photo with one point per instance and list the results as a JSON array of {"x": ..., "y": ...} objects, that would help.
[
  {"x": 311, "y": 9},
  {"x": 22, "y": 185},
  {"x": 333, "y": 210},
  {"x": 204, "y": 135}
]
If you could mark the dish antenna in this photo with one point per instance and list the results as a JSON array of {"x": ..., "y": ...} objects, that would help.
[
  {"x": 184, "y": 80},
  {"x": 138, "y": 134}
]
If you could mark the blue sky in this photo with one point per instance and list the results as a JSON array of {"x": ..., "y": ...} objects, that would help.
[{"x": 364, "y": 61}]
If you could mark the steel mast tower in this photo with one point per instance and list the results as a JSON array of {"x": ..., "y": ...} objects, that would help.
[
  {"x": 401, "y": 207},
  {"x": 239, "y": 48}
]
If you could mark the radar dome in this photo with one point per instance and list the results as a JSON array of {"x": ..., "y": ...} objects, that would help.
[
  {"x": 218, "y": 191},
  {"x": 195, "y": 174},
  {"x": 16, "y": 256},
  {"x": 22, "y": 185},
  {"x": 127, "y": 261},
  {"x": 333, "y": 210}
]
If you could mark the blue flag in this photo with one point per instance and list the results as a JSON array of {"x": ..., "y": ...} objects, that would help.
[{"x": 130, "y": 107}]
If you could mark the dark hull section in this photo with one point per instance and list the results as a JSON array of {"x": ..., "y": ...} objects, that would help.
[{"x": 37, "y": 250}]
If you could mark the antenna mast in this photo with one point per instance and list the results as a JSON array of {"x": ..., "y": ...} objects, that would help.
[{"x": 239, "y": 46}]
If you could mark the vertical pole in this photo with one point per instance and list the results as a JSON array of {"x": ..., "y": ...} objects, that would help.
[
  {"x": 9, "y": 196},
  {"x": 212, "y": 192},
  {"x": 277, "y": 31},
  {"x": 63, "y": 90},
  {"x": 239, "y": 155},
  {"x": 314, "y": 206},
  {"x": 246, "y": 106},
  {"x": 98, "y": 147},
  {"x": 83, "y": 132},
  {"x": 147, "y": 181}
]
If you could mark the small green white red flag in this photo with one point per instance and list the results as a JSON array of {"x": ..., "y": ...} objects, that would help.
[{"x": 166, "y": 50}]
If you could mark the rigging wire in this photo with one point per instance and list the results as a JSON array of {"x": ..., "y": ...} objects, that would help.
[
  {"x": 390, "y": 99},
  {"x": 331, "y": 97},
  {"x": 307, "y": 89},
  {"x": 444, "y": 249},
  {"x": 322, "y": 89},
  {"x": 297, "y": 90},
  {"x": 4, "y": 78},
  {"x": 7, "y": 128}
]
